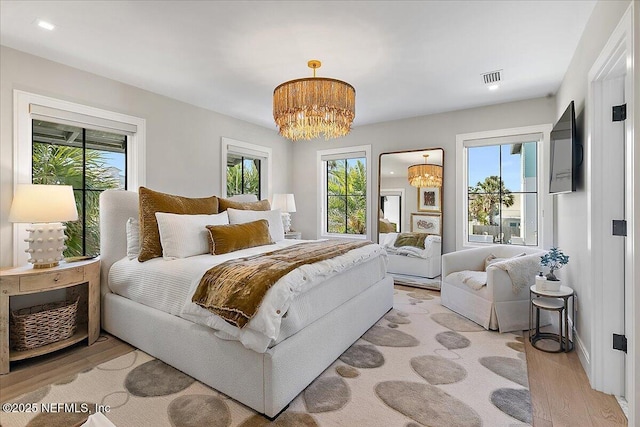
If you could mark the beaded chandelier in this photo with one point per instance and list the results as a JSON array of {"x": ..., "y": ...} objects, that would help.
[
  {"x": 425, "y": 175},
  {"x": 306, "y": 108}
]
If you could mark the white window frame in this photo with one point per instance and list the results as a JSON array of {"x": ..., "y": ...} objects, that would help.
[
  {"x": 247, "y": 149},
  {"x": 322, "y": 193},
  {"x": 545, "y": 200},
  {"x": 84, "y": 116}
]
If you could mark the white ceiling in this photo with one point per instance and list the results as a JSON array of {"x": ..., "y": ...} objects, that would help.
[{"x": 405, "y": 58}]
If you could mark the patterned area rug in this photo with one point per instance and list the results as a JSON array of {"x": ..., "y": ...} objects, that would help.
[{"x": 421, "y": 365}]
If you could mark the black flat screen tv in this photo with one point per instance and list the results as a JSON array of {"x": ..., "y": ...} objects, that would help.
[{"x": 564, "y": 152}]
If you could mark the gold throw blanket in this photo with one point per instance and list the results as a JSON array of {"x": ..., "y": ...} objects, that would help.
[{"x": 234, "y": 289}]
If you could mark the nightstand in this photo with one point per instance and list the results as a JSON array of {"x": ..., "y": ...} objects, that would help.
[
  {"x": 293, "y": 235},
  {"x": 28, "y": 280}
]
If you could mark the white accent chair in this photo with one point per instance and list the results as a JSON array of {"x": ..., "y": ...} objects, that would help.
[{"x": 494, "y": 306}]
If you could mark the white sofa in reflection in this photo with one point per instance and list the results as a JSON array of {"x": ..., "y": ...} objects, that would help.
[
  {"x": 421, "y": 262},
  {"x": 494, "y": 306}
]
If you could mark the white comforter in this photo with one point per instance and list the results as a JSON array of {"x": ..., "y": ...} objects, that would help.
[{"x": 264, "y": 328}]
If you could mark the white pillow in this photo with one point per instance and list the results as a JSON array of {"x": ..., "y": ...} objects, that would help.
[
  {"x": 276, "y": 230},
  {"x": 182, "y": 236},
  {"x": 133, "y": 238}
]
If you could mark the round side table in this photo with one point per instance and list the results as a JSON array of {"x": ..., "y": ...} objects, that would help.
[{"x": 551, "y": 301}]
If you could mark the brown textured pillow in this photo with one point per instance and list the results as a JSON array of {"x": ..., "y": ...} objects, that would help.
[
  {"x": 233, "y": 237},
  {"x": 154, "y": 201},
  {"x": 410, "y": 239},
  {"x": 260, "y": 205}
]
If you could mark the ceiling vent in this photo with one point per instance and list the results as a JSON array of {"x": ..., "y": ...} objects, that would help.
[{"x": 492, "y": 77}]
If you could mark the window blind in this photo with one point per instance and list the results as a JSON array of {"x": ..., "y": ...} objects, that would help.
[{"x": 40, "y": 112}]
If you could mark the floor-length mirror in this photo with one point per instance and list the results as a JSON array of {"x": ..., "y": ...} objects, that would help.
[{"x": 410, "y": 215}]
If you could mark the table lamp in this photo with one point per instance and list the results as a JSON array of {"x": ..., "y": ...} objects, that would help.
[
  {"x": 45, "y": 207},
  {"x": 286, "y": 203}
]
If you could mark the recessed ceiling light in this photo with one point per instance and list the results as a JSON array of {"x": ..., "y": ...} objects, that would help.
[
  {"x": 391, "y": 173},
  {"x": 494, "y": 87},
  {"x": 46, "y": 25}
]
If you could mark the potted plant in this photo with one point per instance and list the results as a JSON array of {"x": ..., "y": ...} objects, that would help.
[{"x": 554, "y": 260}]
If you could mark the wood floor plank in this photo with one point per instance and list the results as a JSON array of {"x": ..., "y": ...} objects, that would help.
[
  {"x": 602, "y": 407},
  {"x": 566, "y": 390},
  {"x": 539, "y": 401}
]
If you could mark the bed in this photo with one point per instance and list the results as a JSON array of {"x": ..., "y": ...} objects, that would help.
[
  {"x": 422, "y": 261},
  {"x": 265, "y": 381}
]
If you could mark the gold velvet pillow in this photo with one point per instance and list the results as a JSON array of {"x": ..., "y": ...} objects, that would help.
[
  {"x": 260, "y": 205},
  {"x": 154, "y": 201},
  {"x": 233, "y": 237},
  {"x": 410, "y": 239}
]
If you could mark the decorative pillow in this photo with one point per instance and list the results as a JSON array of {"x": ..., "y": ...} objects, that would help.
[
  {"x": 492, "y": 259},
  {"x": 260, "y": 205},
  {"x": 410, "y": 239},
  {"x": 133, "y": 238},
  {"x": 154, "y": 201},
  {"x": 183, "y": 236},
  {"x": 274, "y": 217},
  {"x": 233, "y": 237}
]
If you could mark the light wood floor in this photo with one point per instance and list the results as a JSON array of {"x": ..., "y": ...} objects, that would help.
[
  {"x": 560, "y": 391},
  {"x": 561, "y": 394}
]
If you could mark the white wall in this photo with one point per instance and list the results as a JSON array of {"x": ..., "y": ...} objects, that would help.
[
  {"x": 571, "y": 209},
  {"x": 183, "y": 141},
  {"x": 433, "y": 131},
  {"x": 635, "y": 298}
]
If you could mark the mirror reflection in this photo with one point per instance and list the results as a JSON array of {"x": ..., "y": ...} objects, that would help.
[{"x": 410, "y": 214}]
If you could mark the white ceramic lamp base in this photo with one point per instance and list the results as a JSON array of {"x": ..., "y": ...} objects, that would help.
[
  {"x": 286, "y": 221},
  {"x": 46, "y": 244}
]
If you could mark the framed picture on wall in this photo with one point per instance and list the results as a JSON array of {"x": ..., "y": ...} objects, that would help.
[
  {"x": 426, "y": 223},
  {"x": 429, "y": 199}
]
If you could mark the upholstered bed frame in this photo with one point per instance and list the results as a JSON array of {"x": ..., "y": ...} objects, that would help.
[{"x": 266, "y": 382}]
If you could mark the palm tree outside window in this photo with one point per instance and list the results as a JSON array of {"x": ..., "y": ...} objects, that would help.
[
  {"x": 502, "y": 194},
  {"x": 90, "y": 161},
  {"x": 243, "y": 175},
  {"x": 346, "y": 196}
]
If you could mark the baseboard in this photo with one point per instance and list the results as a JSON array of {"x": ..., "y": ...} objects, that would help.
[{"x": 583, "y": 355}]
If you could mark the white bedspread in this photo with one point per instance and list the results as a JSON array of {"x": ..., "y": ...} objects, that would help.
[{"x": 181, "y": 277}]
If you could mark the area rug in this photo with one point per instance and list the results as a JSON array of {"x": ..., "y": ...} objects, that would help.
[
  {"x": 416, "y": 281},
  {"x": 420, "y": 365}
]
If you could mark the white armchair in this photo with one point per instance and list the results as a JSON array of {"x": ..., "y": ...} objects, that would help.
[{"x": 494, "y": 306}]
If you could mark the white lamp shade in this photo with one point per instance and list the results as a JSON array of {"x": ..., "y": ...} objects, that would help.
[
  {"x": 34, "y": 203},
  {"x": 284, "y": 202}
]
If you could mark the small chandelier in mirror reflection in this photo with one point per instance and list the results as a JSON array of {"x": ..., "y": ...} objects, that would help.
[
  {"x": 312, "y": 107},
  {"x": 425, "y": 175}
]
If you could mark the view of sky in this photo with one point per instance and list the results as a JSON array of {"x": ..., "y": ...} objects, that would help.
[{"x": 485, "y": 161}]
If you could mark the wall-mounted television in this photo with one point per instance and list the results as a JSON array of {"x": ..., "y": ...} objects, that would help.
[{"x": 565, "y": 152}]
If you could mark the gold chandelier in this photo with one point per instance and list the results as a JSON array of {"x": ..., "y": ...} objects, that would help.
[
  {"x": 306, "y": 108},
  {"x": 425, "y": 175}
]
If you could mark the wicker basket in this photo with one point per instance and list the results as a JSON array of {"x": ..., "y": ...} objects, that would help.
[{"x": 42, "y": 324}]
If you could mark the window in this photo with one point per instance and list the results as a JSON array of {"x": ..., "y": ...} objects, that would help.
[
  {"x": 502, "y": 175},
  {"x": 90, "y": 161},
  {"x": 246, "y": 169},
  {"x": 243, "y": 175},
  {"x": 31, "y": 109},
  {"x": 502, "y": 193},
  {"x": 345, "y": 178}
]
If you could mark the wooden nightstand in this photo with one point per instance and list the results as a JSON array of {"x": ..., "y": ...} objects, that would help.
[
  {"x": 293, "y": 235},
  {"x": 27, "y": 280}
]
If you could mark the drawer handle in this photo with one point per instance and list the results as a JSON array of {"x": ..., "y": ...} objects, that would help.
[{"x": 55, "y": 279}]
